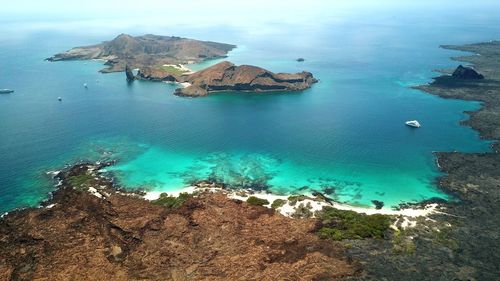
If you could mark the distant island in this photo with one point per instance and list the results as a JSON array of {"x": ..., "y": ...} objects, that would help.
[
  {"x": 146, "y": 51},
  {"x": 162, "y": 58}
]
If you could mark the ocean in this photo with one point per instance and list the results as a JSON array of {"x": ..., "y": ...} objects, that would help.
[{"x": 345, "y": 136}]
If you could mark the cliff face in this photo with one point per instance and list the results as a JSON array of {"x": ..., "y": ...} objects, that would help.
[
  {"x": 226, "y": 76},
  {"x": 147, "y": 50},
  {"x": 89, "y": 231}
]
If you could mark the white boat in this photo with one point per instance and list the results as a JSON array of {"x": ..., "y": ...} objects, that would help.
[
  {"x": 413, "y": 123},
  {"x": 85, "y": 85},
  {"x": 6, "y": 91},
  {"x": 59, "y": 99}
]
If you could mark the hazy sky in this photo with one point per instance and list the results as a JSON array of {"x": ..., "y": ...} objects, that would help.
[{"x": 97, "y": 15}]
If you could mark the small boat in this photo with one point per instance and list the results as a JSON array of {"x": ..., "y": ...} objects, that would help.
[
  {"x": 413, "y": 123},
  {"x": 6, "y": 91},
  {"x": 85, "y": 85},
  {"x": 59, "y": 99}
]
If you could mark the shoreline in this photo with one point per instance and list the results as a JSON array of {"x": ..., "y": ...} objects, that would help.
[
  {"x": 119, "y": 233},
  {"x": 463, "y": 245},
  {"x": 316, "y": 204}
]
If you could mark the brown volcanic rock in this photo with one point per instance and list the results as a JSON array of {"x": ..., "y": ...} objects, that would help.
[
  {"x": 146, "y": 51},
  {"x": 123, "y": 237},
  {"x": 156, "y": 74},
  {"x": 226, "y": 76},
  {"x": 191, "y": 91}
]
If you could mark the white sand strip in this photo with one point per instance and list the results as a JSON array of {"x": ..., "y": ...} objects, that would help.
[{"x": 315, "y": 205}]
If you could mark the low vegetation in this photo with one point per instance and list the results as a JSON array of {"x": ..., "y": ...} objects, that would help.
[
  {"x": 172, "y": 202},
  {"x": 80, "y": 181},
  {"x": 293, "y": 199},
  {"x": 172, "y": 69},
  {"x": 339, "y": 224},
  {"x": 402, "y": 243},
  {"x": 303, "y": 211},
  {"x": 252, "y": 200},
  {"x": 278, "y": 203}
]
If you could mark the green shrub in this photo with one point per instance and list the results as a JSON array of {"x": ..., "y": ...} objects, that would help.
[
  {"x": 80, "y": 180},
  {"x": 171, "y": 202},
  {"x": 278, "y": 203},
  {"x": 293, "y": 199},
  {"x": 402, "y": 244},
  {"x": 303, "y": 211},
  {"x": 252, "y": 200},
  {"x": 339, "y": 224}
]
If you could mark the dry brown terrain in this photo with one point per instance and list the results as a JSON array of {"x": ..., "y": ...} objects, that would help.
[
  {"x": 146, "y": 51},
  {"x": 80, "y": 236},
  {"x": 225, "y": 76}
]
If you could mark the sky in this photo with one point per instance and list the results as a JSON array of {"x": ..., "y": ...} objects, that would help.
[{"x": 95, "y": 16}]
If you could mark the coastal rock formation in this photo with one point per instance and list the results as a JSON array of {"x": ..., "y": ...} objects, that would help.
[
  {"x": 129, "y": 74},
  {"x": 226, "y": 76},
  {"x": 156, "y": 74},
  {"x": 146, "y": 51},
  {"x": 466, "y": 73},
  {"x": 90, "y": 231}
]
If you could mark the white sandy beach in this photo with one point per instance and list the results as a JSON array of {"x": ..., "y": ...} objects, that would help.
[{"x": 409, "y": 214}]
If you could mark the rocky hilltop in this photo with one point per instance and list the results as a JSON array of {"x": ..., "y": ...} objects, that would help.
[
  {"x": 146, "y": 51},
  {"x": 226, "y": 76},
  {"x": 462, "y": 72}
]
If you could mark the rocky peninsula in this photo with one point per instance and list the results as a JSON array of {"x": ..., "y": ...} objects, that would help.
[
  {"x": 146, "y": 51},
  {"x": 226, "y": 76}
]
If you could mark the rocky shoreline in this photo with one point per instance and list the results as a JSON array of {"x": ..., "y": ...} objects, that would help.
[
  {"x": 461, "y": 244},
  {"x": 168, "y": 237},
  {"x": 89, "y": 230}
]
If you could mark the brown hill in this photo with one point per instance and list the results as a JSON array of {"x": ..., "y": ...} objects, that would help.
[
  {"x": 226, "y": 76},
  {"x": 146, "y": 51}
]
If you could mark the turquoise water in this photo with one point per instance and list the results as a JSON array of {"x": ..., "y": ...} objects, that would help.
[{"x": 345, "y": 135}]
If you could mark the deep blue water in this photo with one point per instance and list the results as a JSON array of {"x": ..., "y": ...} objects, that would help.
[{"x": 346, "y": 132}]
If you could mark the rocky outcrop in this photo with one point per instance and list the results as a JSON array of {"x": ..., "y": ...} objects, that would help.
[
  {"x": 146, "y": 51},
  {"x": 466, "y": 73},
  {"x": 226, "y": 76},
  {"x": 129, "y": 74},
  {"x": 156, "y": 74},
  {"x": 89, "y": 231},
  {"x": 191, "y": 91}
]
